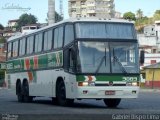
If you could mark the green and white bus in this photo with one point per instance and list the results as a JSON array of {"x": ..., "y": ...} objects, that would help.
[{"x": 76, "y": 59}]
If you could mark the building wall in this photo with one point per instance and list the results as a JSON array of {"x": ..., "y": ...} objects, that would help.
[
  {"x": 152, "y": 78},
  {"x": 157, "y": 28},
  {"x": 148, "y": 41},
  {"x": 150, "y": 58},
  {"x": 149, "y": 30}
]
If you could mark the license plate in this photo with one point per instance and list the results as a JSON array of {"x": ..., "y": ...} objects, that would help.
[{"x": 109, "y": 92}]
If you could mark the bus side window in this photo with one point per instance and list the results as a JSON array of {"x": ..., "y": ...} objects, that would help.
[
  {"x": 30, "y": 41},
  {"x": 15, "y": 49},
  {"x": 66, "y": 59},
  {"x": 48, "y": 40},
  {"x": 22, "y": 47},
  {"x": 69, "y": 34},
  {"x": 71, "y": 60},
  {"x": 58, "y": 37},
  {"x": 9, "y": 50},
  {"x": 38, "y": 42}
]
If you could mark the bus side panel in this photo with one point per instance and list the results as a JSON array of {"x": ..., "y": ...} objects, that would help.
[
  {"x": 45, "y": 83},
  {"x": 42, "y": 84},
  {"x": 13, "y": 77},
  {"x": 71, "y": 85}
]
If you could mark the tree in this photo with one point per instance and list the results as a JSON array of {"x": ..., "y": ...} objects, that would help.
[
  {"x": 2, "y": 40},
  {"x": 156, "y": 15},
  {"x": 1, "y": 27},
  {"x": 129, "y": 15},
  {"x": 157, "y": 12},
  {"x": 26, "y": 19},
  {"x": 139, "y": 14},
  {"x": 58, "y": 17}
]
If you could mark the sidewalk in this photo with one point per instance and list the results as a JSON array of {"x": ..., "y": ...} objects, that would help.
[
  {"x": 149, "y": 90},
  {"x": 3, "y": 88}
]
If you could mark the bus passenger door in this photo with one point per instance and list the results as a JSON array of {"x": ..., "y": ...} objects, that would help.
[{"x": 69, "y": 68}]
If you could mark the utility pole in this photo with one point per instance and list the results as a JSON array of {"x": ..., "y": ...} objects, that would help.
[
  {"x": 61, "y": 8},
  {"x": 51, "y": 11}
]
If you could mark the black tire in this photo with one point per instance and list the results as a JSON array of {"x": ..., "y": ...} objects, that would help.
[
  {"x": 112, "y": 103},
  {"x": 61, "y": 95},
  {"x": 54, "y": 101},
  {"x": 26, "y": 96},
  {"x": 20, "y": 96}
]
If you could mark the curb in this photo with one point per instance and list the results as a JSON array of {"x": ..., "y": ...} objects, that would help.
[
  {"x": 149, "y": 90},
  {"x": 4, "y": 88}
]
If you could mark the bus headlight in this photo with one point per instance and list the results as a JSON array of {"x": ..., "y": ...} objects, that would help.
[
  {"x": 82, "y": 83},
  {"x": 86, "y": 83},
  {"x": 132, "y": 83}
]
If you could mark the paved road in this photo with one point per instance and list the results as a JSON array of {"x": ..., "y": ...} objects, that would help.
[{"x": 147, "y": 103}]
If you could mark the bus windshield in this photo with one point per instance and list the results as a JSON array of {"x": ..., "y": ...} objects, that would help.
[
  {"x": 107, "y": 57},
  {"x": 105, "y": 30}
]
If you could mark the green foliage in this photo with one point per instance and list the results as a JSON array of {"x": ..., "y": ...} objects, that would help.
[
  {"x": 129, "y": 16},
  {"x": 2, "y": 40},
  {"x": 1, "y": 27},
  {"x": 58, "y": 17},
  {"x": 26, "y": 19},
  {"x": 139, "y": 14},
  {"x": 156, "y": 15}
]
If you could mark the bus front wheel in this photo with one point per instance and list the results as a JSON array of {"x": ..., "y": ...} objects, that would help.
[
  {"x": 112, "y": 103},
  {"x": 61, "y": 95}
]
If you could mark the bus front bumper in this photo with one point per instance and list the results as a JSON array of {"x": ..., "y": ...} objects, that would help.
[{"x": 107, "y": 92}]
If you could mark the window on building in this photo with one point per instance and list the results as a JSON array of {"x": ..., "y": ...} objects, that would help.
[
  {"x": 30, "y": 41},
  {"x": 38, "y": 42},
  {"x": 154, "y": 50},
  {"x": 69, "y": 34},
  {"x": 153, "y": 61},
  {"x": 58, "y": 37},
  {"x": 15, "y": 49},
  {"x": 22, "y": 47}
]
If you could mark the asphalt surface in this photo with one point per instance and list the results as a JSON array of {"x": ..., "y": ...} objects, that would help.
[{"x": 147, "y": 103}]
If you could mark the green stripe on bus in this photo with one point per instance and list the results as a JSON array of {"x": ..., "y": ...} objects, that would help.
[
  {"x": 54, "y": 59},
  {"x": 82, "y": 78}
]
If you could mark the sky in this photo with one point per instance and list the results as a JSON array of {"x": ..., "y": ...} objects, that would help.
[{"x": 39, "y": 8}]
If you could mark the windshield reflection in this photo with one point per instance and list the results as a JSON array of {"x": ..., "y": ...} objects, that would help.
[{"x": 107, "y": 57}]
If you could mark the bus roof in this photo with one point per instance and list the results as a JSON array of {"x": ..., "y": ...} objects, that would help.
[{"x": 73, "y": 20}]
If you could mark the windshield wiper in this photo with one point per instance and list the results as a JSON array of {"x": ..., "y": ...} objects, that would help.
[
  {"x": 118, "y": 61},
  {"x": 99, "y": 66}
]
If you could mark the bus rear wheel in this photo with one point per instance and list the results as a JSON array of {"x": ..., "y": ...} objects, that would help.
[
  {"x": 26, "y": 96},
  {"x": 112, "y": 103},
  {"x": 19, "y": 92},
  {"x": 61, "y": 95}
]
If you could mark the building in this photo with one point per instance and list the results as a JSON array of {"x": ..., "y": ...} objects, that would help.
[
  {"x": 29, "y": 28},
  {"x": 148, "y": 41},
  {"x": 157, "y": 29},
  {"x": 12, "y": 23},
  {"x": 118, "y": 15},
  {"x": 8, "y": 33},
  {"x": 152, "y": 75},
  {"x": 91, "y": 8},
  {"x": 1, "y": 33}
]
